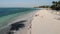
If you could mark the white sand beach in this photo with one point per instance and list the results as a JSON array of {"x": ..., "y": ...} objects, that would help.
[
  {"x": 43, "y": 22},
  {"x": 46, "y": 22}
]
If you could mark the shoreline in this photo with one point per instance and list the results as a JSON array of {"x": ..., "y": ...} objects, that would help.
[
  {"x": 27, "y": 24},
  {"x": 35, "y": 20},
  {"x": 23, "y": 17},
  {"x": 27, "y": 17}
]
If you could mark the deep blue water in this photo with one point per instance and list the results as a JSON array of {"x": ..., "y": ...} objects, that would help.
[{"x": 9, "y": 13}]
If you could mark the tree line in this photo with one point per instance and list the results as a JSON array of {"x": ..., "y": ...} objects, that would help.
[{"x": 55, "y": 5}]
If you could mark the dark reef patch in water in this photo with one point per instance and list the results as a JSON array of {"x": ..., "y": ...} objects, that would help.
[{"x": 16, "y": 26}]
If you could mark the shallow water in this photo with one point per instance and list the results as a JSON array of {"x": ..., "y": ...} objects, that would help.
[{"x": 8, "y": 14}]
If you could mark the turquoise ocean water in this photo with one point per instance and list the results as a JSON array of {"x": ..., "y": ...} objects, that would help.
[{"x": 7, "y": 14}]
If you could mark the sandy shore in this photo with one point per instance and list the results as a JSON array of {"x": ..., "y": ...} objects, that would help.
[
  {"x": 43, "y": 22},
  {"x": 46, "y": 22},
  {"x": 40, "y": 22}
]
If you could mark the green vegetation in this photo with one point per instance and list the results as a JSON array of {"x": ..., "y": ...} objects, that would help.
[
  {"x": 42, "y": 6},
  {"x": 55, "y": 5}
]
